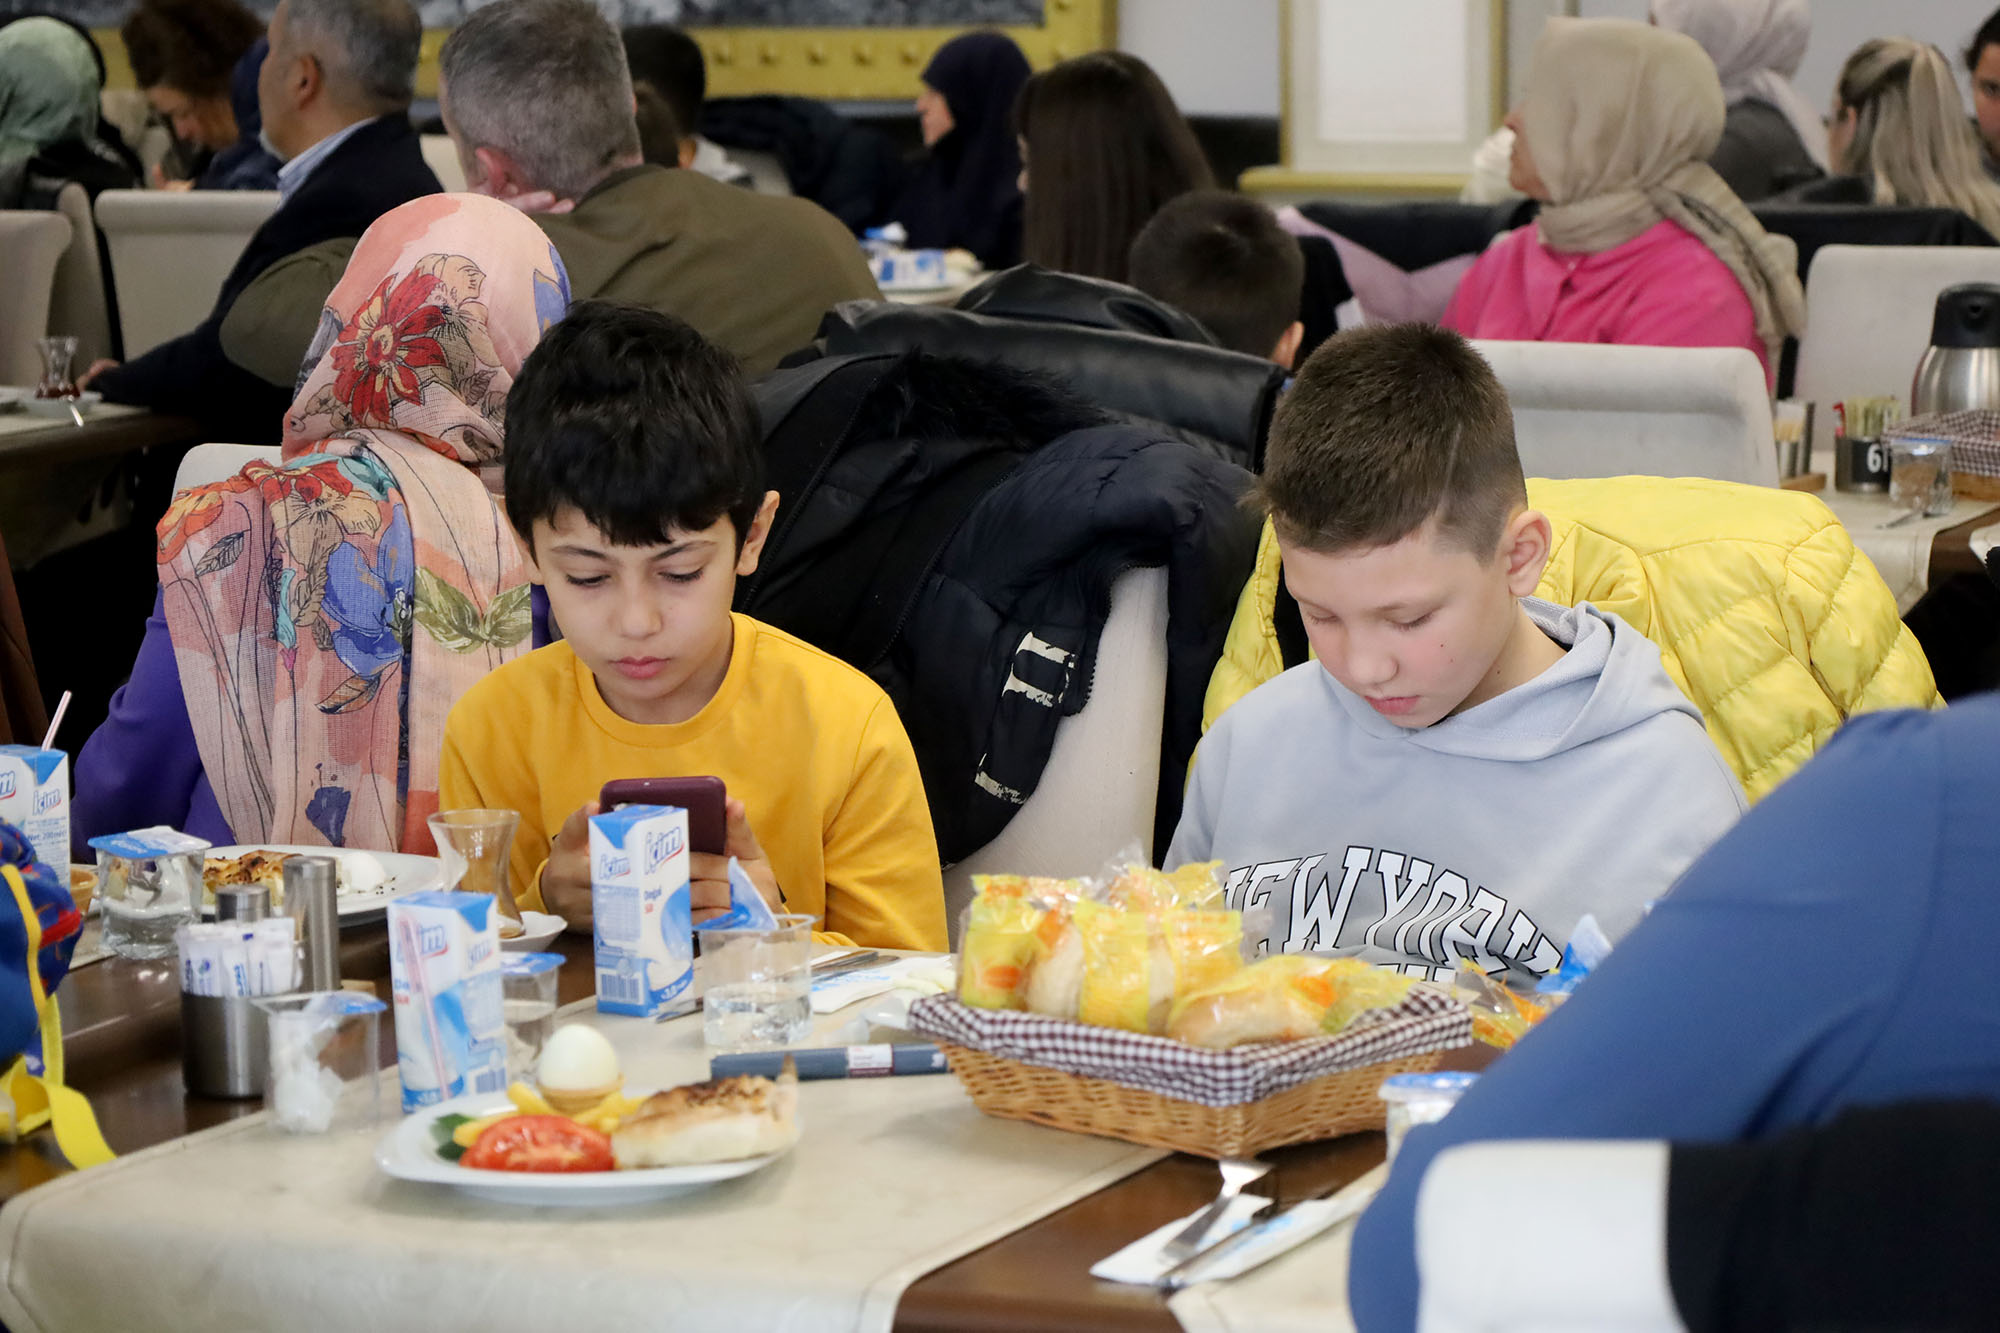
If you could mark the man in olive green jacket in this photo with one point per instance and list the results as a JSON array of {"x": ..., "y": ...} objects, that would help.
[{"x": 538, "y": 100}]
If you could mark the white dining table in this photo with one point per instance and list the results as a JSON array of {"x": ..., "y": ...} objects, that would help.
[
  {"x": 1900, "y": 551},
  {"x": 243, "y": 1227}
]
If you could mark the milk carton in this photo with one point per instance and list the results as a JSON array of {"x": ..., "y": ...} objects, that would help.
[
  {"x": 639, "y": 902},
  {"x": 444, "y": 969},
  {"x": 34, "y": 798}
]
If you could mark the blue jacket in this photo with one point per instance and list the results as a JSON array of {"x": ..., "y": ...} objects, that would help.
[{"x": 1830, "y": 951}]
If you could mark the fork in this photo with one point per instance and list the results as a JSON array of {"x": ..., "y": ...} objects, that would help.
[{"x": 1236, "y": 1173}]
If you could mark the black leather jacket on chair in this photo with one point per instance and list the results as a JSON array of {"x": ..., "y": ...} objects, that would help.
[{"x": 1087, "y": 334}]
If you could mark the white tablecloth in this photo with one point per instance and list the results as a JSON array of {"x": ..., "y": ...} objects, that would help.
[
  {"x": 1903, "y": 553},
  {"x": 242, "y": 1228},
  {"x": 21, "y": 421}
]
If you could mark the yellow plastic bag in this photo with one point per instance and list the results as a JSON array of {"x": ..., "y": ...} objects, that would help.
[{"x": 33, "y": 1100}]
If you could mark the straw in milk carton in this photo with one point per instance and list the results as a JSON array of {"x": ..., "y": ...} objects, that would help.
[
  {"x": 444, "y": 968},
  {"x": 34, "y": 798},
  {"x": 639, "y": 904}
]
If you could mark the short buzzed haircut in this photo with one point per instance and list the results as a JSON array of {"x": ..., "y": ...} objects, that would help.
[
  {"x": 1385, "y": 428},
  {"x": 1225, "y": 260},
  {"x": 367, "y": 49},
  {"x": 543, "y": 81}
]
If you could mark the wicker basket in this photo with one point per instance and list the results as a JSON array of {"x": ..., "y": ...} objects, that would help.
[{"x": 1324, "y": 1108}]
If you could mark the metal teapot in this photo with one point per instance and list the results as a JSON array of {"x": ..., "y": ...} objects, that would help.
[{"x": 1960, "y": 370}]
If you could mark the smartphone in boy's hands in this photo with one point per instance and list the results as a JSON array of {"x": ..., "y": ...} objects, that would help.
[
  {"x": 704, "y": 798},
  {"x": 718, "y": 829}
]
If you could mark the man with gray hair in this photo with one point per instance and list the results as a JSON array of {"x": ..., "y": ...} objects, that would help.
[
  {"x": 335, "y": 96},
  {"x": 537, "y": 96}
]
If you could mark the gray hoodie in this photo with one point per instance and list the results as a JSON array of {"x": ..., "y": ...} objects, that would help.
[{"x": 1483, "y": 836}]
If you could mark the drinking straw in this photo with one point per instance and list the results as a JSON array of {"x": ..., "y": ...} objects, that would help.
[
  {"x": 420, "y": 992},
  {"x": 56, "y": 721}
]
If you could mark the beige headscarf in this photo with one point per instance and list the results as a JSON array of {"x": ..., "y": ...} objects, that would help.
[{"x": 1620, "y": 118}]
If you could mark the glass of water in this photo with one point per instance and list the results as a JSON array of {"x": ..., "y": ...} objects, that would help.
[
  {"x": 149, "y": 885},
  {"x": 1920, "y": 474},
  {"x": 528, "y": 995},
  {"x": 757, "y": 986}
]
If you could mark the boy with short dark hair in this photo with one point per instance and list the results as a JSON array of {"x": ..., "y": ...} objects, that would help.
[
  {"x": 634, "y": 476},
  {"x": 1465, "y": 770},
  {"x": 1225, "y": 260}
]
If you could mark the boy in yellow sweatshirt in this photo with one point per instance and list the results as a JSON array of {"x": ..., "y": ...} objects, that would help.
[{"x": 634, "y": 475}]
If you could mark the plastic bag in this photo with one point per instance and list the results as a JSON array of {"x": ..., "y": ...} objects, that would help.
[{"x": 1114, "y": 950}]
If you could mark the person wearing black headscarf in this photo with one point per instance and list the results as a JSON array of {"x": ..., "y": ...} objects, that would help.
[{"x": 967, "y": 193}]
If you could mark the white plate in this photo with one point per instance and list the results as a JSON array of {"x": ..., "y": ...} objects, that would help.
[
  {"x": 542, "y": 930},
  {"x": 11, "y": 398},
  {"x": 409, "y": 1152},
  {"x": 59, "y": 407},
  {"x": 407, "y": 874}
]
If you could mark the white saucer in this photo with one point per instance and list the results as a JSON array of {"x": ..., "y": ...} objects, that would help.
[
  {"x": 541, "y": 931},
  {"x": 59, "y": 407}
]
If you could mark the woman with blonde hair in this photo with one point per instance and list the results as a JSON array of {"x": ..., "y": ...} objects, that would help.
[
  {"x": 1638, "y": 240},
  {"x": 1900, "y": 135}
]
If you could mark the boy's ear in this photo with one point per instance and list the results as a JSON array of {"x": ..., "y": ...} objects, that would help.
[
  {"x": 753, "y": 540},
  {"x": 1287, "y": 350},
  {"x": 1524, "y": 550}
]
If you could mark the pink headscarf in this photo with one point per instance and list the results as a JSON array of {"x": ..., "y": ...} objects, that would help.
[{"x": 326, "y": 613}]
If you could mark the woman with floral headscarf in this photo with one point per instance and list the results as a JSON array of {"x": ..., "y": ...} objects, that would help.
[
  {"x": 48, "y": 117},
  {"x": 1638, "y": 241},
  {"x": 318, "y": 618}
]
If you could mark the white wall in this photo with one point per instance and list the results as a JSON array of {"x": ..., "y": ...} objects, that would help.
[
  {"x": 1841, "y": 25},
  {"x": 1219, "y": 57}
]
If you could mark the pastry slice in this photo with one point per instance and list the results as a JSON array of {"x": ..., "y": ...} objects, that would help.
[{"x": 723, "y": 1120}]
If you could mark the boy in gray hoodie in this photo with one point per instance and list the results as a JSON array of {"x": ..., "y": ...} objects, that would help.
[{"x": 1465, "y": 770}]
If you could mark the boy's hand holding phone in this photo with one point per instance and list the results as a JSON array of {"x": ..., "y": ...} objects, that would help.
[
  {"x": 708, "y": 874},
  {"x": 566, "y": 878}
]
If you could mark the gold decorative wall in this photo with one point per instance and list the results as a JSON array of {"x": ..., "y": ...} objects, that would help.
[{"x": 833, "y": 64}]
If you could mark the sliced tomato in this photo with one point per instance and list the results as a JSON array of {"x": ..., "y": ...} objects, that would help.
[{"x": 539, "y": 1143}]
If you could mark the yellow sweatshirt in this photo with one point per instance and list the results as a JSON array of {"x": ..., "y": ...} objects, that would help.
[{"x": 812, "y": 748}]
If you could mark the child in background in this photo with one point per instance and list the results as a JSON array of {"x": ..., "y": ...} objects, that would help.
[
  {"x": 635, "y": 479},
  {"x": 1465, "y": 770},
  {"x": 1225, "y": 260}
]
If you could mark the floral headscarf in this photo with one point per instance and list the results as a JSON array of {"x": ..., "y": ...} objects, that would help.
[{"x": 326, "y": 613}]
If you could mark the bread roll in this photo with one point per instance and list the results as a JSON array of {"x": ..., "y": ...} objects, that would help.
[
  {"x": 723, "y": 1120},
  {"x": 1274, "y": 999},
  {"x": 1055, "y": 983}
]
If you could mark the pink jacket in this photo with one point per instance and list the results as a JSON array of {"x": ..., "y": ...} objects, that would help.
[{"x": 1662, "y": 288}]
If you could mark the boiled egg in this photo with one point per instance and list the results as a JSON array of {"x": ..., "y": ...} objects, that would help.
[
  {"x": 362, "y": 873},
  {"x": 577, "y": 1058}
]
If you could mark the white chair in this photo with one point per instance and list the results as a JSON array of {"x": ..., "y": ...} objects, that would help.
[
  {"x": 441, "y": 156},
  {"x": 32, "y": 243},
  {"x": 767, "y": 170},
  {"x": 1868, "y": 319},
  {"x": 78, "y": 305},
  {"x": 1102, "y": 778},
  {"x": 1593, "y": 1260},
  {"x": 207, "y": 463},
  {"x": 171, "y": 251},
  {"x": 1596, "y": 410}
]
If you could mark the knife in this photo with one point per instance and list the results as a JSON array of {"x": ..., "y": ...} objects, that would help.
[{"x": 1274, "y": 1234}]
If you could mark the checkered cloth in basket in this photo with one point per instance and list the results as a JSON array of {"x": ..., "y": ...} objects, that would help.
[
  {"x": 1974, "y": 436},
  {"x": 1425, "y": 1020}
]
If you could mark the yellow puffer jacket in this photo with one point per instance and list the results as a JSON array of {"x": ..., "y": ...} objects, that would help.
[{"x": 1765, "y": 614}]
